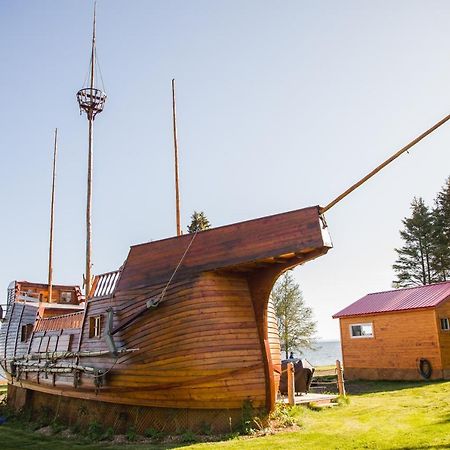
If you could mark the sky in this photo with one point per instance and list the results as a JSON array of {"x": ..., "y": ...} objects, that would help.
[{"x": 281, "y": 105}]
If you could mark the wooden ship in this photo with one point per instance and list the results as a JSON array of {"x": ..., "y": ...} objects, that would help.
[{"x": 181, "y": 336}]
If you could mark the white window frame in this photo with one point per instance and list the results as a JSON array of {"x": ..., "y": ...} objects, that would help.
[
  {"x": 446, "y": 321},
  {"x": 361, "y": 325},
  {"x": 95, "y": 324}
]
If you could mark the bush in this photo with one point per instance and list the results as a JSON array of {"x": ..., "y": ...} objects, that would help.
[
  {"x": 188, "y": 437},
  {"x": 95, "y": 431},
  {"x": 284, "y": 415},
  {"x": 152, "y": 433},
  {"x": 131, "y": 434}
]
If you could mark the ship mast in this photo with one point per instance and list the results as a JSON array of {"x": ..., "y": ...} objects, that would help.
[
  {"x": 91, "y": 100},
  {"x": 175, "y": 146},
  {"x": 52, "y": 214}
]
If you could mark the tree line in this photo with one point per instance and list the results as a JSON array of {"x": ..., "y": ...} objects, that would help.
[{"x": 425, "y": 256}]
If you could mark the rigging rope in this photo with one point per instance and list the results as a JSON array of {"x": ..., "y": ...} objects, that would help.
[{"x": 163, "y": 292}]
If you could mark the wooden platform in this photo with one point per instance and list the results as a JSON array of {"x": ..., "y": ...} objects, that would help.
[{"x": 306, "y": 399}]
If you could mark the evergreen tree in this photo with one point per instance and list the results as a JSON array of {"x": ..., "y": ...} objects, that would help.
[
  {"x": 295, "y": 320},
  {"x": 199, "y": 222},
  {"x": 441, "y": 233},
  {"x": 414, "y": 266}
]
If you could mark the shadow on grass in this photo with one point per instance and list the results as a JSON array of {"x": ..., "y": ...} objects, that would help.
[{"x": 360, "y": 387}]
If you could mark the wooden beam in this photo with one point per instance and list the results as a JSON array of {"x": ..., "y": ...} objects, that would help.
[{"x": 52, "y": 216}]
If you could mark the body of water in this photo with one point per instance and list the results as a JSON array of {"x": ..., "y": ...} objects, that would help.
[{"x": 325, "y": 353}]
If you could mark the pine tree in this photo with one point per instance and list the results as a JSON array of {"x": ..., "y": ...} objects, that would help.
[
  {"x": 441, "y": 233},
  {"x": 295, "y": 320},
  {"x": 199, "y": 222},
  {"x": 414, "y": 266}
]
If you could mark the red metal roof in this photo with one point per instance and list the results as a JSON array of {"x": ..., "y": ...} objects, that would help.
[{"x": 398, "y": 300}]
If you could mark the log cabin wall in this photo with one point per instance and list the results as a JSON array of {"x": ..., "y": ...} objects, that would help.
[
  {"x": 400, "y": 339},
  {"x": 443, "y": 312}
]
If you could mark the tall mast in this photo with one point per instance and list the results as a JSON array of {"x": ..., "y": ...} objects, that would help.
[
  {"x": 175, "y": 145},
  {"x": 52, "y": 215},
  {"x": 91, "y": 100}
]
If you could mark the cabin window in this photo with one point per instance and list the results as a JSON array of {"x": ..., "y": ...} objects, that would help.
[
  {"x": 94, "y": 326},
  {"x": 361, "y": 330},
  {"x": 445, "y": 324},
  {"x": 26, "y": 332},
  {"x": 66, "y": 297}
]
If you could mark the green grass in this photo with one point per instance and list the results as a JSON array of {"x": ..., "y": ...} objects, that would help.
[
  {"x": 380, "y": 415},
  {"x": 396, "y": 416}
]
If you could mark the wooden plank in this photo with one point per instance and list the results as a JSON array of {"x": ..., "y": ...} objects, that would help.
[{"x": 220, "y": 247}]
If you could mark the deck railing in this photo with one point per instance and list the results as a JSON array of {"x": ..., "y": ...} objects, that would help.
[
  {"x": 65, "y": 321},
  {"x": 105, "y": 284}
]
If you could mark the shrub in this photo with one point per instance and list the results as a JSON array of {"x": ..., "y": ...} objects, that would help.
[
  {"x": 188, "y": 437},
  {"x": 95, "y": 431},
  {"x": 131, "y": 434},
  {"x": 152, "y": 433}
]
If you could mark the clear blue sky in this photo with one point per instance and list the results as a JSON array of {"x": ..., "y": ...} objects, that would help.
[{"x": 281, "y": 105}]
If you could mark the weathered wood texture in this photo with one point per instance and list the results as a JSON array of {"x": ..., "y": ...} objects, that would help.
[
  {"x": 223, "y": 247},
  {"x": 10, "y": 341},
  {"x": 400, "y": 340}
]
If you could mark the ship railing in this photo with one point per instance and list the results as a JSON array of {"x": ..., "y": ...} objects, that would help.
[
  {"x": 104, "y": 284},
  {"x": 11, "y": 293},
  {"x": 62, "y": 322}
]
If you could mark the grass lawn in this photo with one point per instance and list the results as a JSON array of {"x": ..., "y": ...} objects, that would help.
[{"x": 381, "y": 415}]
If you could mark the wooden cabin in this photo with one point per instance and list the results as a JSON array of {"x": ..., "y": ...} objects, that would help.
[{"x": 403, "y": 334}]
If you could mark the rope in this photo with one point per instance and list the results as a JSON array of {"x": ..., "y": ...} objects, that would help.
[
  {"x": 99, "y": 70},
  {"x": 102, "y": 374},
  {"x": 163, "y": 292}
]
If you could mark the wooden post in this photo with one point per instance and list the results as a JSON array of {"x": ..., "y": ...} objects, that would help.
[
  {"x": 291, "y": 383},
  {"x": 52, "y": 213},
  {"x": 340, "y": 378},
  {"x": 175, "y": 145}
]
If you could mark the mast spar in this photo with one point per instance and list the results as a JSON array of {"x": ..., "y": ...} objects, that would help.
[
  {"x": 52, "y": 214},
  {"x": 91, "y": 100},
  {"x": 384, "y": 164},
  {"x": 175, "y": 145}
]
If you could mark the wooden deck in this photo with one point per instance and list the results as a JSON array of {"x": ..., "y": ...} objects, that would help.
[{"x": 310, "y": 397}]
